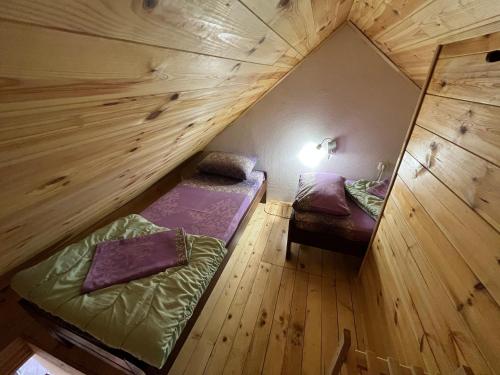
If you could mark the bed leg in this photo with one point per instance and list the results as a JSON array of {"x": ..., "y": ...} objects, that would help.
[{"x": 288, "y": 249}]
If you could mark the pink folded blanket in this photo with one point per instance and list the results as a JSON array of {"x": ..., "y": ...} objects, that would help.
[{"x": 121, "y": 261}]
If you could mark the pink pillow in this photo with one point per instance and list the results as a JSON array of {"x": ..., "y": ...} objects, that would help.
[
  {"x": 322, "y": 192},
  {"x": 228, "y": 165},
  {"x": 380, "y": 189}
]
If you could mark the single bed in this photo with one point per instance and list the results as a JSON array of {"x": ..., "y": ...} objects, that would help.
[
  {"x": 159, "y": 311},
  {"x": 349, "y": 234},
  {"x": 356, "y": 227}
]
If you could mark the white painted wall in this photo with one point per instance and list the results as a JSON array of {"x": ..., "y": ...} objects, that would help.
[{"x": 345, "y": 89}]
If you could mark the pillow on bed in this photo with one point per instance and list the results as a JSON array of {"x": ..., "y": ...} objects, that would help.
[
  {"x": 227, "y": 164},
  {"x": 322, "y": 192},
  {"x": 379, "y": 189}
]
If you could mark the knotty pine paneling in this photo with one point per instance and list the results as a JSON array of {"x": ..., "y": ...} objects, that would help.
[
  {"x": 468, "y": 77},
  {"x": 42, "y": 66},
  {"x": 475, "y": 180},
  {"x": 464, "y": 123},
  {"x": 303, "y": 24},
  {"x": 101, "y": 98},
  {"x": 430, "y": 280},
  {"x": 223, "y": 28},
  {"x": 408, "y": 31}
]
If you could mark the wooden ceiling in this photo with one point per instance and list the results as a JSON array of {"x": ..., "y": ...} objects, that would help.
[
  {"x": 101, "y": 98},
  {"x": 408, "y": 31}
]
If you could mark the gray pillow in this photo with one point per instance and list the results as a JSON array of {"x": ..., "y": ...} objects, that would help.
[{"x": 228, "y": 164}]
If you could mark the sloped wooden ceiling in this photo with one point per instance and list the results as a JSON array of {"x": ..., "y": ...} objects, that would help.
[
  {"x": 101, "y": 98},
  {"x": 408, "y": 31}
]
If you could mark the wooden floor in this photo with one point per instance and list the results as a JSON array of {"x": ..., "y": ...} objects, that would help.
[
  {"x": 265, "y": 315},
  {"x": 272, "y": 316}
]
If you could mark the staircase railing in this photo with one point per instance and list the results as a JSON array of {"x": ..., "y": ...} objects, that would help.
[{"x": 372, "y": 364}]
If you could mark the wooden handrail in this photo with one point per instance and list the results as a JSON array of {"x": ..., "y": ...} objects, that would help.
[
  {"x": 374, "y": 365},
  {"x": 341, "y": 353}
]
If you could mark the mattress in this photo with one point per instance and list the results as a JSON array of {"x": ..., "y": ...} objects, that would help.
[
  {"x": 143, "y": 317},
  {"x": 358, "y": 226},
  {"x": 206, "y": 205}
]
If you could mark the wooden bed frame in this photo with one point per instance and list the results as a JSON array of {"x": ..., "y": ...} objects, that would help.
[
  {"x": 328, "y": 241},
  {"x": 71, "y": 335}
]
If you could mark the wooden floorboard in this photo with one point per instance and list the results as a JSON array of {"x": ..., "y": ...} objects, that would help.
[{"x": 272, "y": 315}]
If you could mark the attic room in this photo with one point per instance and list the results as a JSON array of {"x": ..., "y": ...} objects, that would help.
[{"x": 250, "y": 187}]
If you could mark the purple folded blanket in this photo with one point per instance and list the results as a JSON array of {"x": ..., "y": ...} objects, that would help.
[{"x": 121, "y": 261}]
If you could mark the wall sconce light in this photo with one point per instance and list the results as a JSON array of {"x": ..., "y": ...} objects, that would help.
[
  {"x": 331, "y": 146},
  {"x": 312, "y": 153}
]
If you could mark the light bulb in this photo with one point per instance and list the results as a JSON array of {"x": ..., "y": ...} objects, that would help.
[{"x": 310, "y": 155}]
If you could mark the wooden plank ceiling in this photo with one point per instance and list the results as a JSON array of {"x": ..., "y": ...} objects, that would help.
[
  {"x": 100, "y": 98},
  {"x": 408, "y": 31}
]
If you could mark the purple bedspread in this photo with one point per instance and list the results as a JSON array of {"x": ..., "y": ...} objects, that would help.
[
  {"x": 120, "y": 261},
  {"x": 205, "y": 205}
]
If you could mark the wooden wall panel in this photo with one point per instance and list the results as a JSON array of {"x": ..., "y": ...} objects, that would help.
[
  {"x": 434, "y": 258},
  {"x": 456, "y": 275},
  {"x": 472, "y": 178},
  {"x": 467, "y": 77},
  {"x": 101, "y": 98},
  {"x": 466, "y": 124},
  {"x": 408, "y": 31}
]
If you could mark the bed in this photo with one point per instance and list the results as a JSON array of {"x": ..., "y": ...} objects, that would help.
[
  {"x": 348, "y": 234},
  {"x": 159, "y": 311}
]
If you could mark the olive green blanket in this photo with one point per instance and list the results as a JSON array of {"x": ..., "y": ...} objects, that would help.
[
  {"x": 143, "y": 317},
  {"x": 369, "y": 203}
]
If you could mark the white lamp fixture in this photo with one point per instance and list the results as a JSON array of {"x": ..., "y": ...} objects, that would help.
[
  {"x": 311, "y": 154},
  {"x": 331, "y": 146}
]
